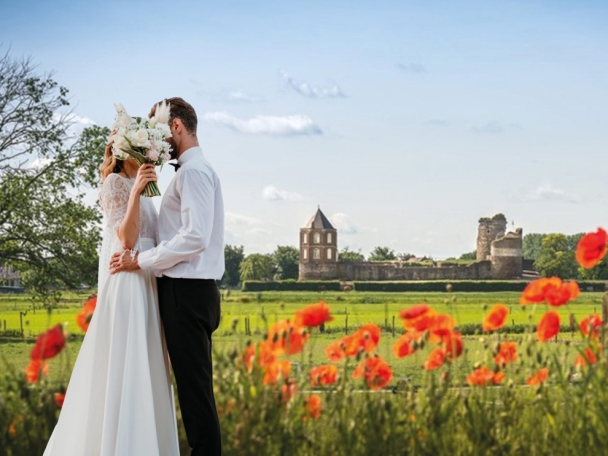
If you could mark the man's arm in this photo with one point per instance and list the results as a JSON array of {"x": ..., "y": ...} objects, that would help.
[{"x": 197, "y": 195}]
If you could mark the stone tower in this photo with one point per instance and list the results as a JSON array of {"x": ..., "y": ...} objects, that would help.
[
  {"x": 507, "y": 257},
  {"x": 318, "y": 249},
  {"x": 489, "y": 230}
]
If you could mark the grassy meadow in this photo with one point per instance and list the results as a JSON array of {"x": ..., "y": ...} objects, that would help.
[{"x": 246, "y": 315}]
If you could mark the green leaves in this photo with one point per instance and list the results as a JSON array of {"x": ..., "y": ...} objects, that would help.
[{"x": 47, "y": 232}]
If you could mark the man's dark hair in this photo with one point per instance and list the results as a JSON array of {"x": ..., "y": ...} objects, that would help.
[{"x": 182, "y": 110}]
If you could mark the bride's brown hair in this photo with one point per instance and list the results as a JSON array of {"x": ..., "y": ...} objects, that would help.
[{"x": 110, "y": 163}]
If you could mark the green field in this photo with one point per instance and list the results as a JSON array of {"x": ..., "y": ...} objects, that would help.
[{"x": 350, "y": 310}]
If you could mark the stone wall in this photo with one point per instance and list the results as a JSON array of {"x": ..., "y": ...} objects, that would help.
[
  {"x": 348, "y": 271},
  {"x": 318, "y": 271}
]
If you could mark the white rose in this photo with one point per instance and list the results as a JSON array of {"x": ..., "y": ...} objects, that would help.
[{"x": 120, "y": 142}]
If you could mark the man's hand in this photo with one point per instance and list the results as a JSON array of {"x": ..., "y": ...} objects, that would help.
[{"x": 123, "y": 262}]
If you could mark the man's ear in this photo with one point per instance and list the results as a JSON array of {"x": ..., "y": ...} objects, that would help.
[{"x": 177, "y": 125}]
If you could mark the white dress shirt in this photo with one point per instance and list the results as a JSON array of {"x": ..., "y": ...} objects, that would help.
[{"x": 190, "y": 223}]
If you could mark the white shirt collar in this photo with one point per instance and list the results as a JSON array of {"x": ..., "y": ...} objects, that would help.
[{"x": 189, "y": 154}]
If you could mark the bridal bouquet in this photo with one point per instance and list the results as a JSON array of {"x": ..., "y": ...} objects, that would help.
[{"x": 142, "y": 139}]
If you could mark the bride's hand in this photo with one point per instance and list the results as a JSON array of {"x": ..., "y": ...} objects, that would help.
[{"x": 145, "y": 174}]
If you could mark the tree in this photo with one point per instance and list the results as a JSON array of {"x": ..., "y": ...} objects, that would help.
[
  {"x": 233, "y": 257},
  {"x": 287, "y": 261},
  {"x": 257, "y": 267},
  {"x": 532, "y": 244},
  {"x": 469, "y": 256},
  {"x": 348, "y": 255},
  {"x": 556, "y": 258},
  {"x": 46, "y": 231},
  {"x": 599, "y": 272},
  {"x": 382, "y": 254}
]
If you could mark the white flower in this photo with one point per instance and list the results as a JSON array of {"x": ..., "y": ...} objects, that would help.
[
  {"x": 153, "y": 154},
  {"x": 139, "y": 138},
  {"x": 164, "y": 129},
  {"x": 119, "y": 141}
]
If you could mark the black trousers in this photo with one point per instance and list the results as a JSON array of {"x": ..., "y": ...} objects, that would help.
[{"x": 190, "y": 311}]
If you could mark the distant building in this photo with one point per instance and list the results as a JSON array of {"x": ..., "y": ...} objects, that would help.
[
  {"x": 10, "y": 280},
  {"x": 499, "y": 256}
]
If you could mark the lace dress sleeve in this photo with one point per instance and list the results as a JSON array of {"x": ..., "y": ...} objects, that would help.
[{"x": 114, "y": 199}]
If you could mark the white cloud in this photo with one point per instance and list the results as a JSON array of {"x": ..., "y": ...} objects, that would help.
[
  {"x": 241, "y": 96},
  {"x": 548, "y": 192},
  {"x": 311, "y": 91},
  {"x": 272, "y": 193},
  {"x": 233, "y": 220},
  {"x": 490, "y": 127},
  {"x": 343, "y": 223},
  {"x": 411, "y": 67},
  {"x": 266, "y": 125},
  {"x": 39, "y": 163}
]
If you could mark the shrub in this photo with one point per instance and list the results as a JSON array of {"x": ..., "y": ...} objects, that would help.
[
  {"x": 291, "y": 285},
  {"x": 460, "y": 286}
]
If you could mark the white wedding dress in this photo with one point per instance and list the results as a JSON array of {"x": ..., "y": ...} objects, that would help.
[{"x": 119, "y": 400}]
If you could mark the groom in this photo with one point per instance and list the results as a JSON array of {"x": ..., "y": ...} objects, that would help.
[{"x": 188, "y": 261}]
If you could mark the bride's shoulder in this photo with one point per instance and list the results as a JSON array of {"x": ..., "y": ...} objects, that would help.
[{"x": 114, "y": 180}]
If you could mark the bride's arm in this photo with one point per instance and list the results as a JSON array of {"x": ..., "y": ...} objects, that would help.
[{"x": 128, "y": 231}]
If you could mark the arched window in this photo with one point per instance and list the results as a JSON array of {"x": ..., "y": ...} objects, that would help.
[
  {"x": 317, "y": 238},
  {"x": 305, "y": 254},
  {"x": 329, "y": 238},
  {"x": 316, "y": 254},
  {"x": 329, "y": 254},
  {"x": 305, "y": 238}
]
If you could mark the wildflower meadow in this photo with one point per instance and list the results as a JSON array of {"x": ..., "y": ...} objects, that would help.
[{"x": 509, "y": 395}]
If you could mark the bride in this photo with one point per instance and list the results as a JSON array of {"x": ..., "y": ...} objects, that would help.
[{"x": 119, "y": 400}]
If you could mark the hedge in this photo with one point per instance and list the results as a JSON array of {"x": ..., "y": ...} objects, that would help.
[
  {"x": 292, "y": 285},
  {"x": 460, "y": 286}
]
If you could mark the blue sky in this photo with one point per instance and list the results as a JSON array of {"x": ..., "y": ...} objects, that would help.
[{"x": 405, "y": 120}]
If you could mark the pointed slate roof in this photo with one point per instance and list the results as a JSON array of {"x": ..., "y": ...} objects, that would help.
[{"x": 319, "y": 221}]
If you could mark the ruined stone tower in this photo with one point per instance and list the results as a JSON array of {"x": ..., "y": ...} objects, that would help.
[
  {"x": 489, "y": 230},
  {"x": 507, "y": 257},
  {"x": 318, "y": 249}
]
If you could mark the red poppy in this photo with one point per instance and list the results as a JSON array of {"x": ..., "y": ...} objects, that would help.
[
  {"x": 586, "y": 358},
  {"x": 591, "y": 324},
  {"x": 414, "y": 312},
  {"x": 273, "y": 371},
  {"x": 559, "y": 295},
  {"x": 285, "y": 337},
  {"x": 334, "y": 351},
  {"x": 83, "y": 319},
  {"x": 368, "y": 336},
  {"x": 484, "y": 376},
  {"x": 49, "y": 343},
  {"x": 313, "y": 315},
  {"x": 435, "y": 359},
  {"x": 506, "y": 354},
  {"x": 535, "y": 292},
  {"x": 548, "y": 326},
  {"x": 59, "y": 398},
  {"x": 496, "y": 318},
  {"x": 453, "y": 345},
  {"x": 312, "y": 407},
  {"x": 403, "y": 346},
  {"x": 440, "y": 325},
  {"x": 539, "y": 377},
  {"x": 591, "y": 248},
  {"x": 324, "y": 375},
  {"x": 376, "y": 372},
  {"x": 32, "y": 371},
  {"x": 265, "y": 354}
]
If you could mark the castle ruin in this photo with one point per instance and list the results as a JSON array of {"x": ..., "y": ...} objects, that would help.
[{"x": 499, "y": 256}]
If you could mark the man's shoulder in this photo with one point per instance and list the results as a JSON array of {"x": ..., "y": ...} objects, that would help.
[{"x": 199, "y": 167}]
